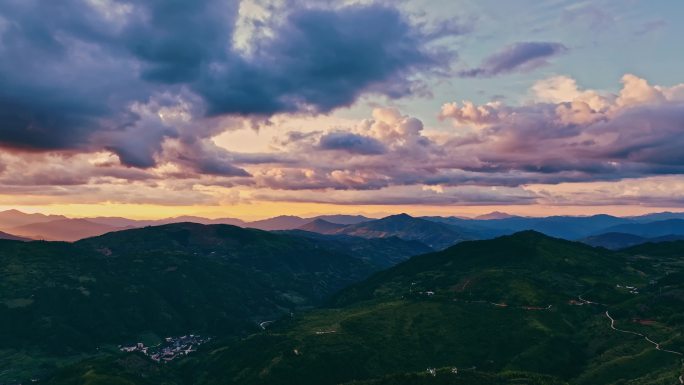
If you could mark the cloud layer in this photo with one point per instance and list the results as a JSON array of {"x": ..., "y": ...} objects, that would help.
[
  {"x": 115, "y": 101},
  {"x": 87, "y": 75},
  {"x": 487, "y": 154}
]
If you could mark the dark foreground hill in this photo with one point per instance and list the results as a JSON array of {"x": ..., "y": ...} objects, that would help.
[
  {"x": 521, "y": 309},
  {"x": 67, "y": 300}
]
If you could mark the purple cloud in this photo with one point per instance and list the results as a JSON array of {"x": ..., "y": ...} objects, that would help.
[
  {"x": 352, "y": 143},
  {"x": 518, "y": 57},
  {"x": 79, "y": 69}
]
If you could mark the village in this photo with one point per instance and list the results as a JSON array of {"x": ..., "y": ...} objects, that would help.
[{"x": 170, "y": 349}]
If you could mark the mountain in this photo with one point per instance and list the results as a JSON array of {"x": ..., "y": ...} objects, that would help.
[
  {"x": 567, "y": 227},
  {"x": 519, "y": 309},
  {"x": 344, "y": 219},
  {"x": 14, "y": 218},
  {"x": 322, "y": 226},
  {"x": 119, "y": 222},
  {"x": 524, "y": 267},
  {"x": 652, "y": 217},
  {"x": 379, "y": 252},
  {"x": 614, "y": 241},
  {"x": 434, "y": 234},
  {"x": 282, "y": 222},
  {"x": 200, "y": 220},
  {"x": 667, "y": 238},
  {"x": 289, "y": 222},
  {"x": 277, "y": 223},
  {"x": 10, "y": 237},
  {"x": 501, "y": 311},
  {"x": 494, "y": 215},
  {"x": 651, "y": 229},
  {"x": 131, "y": 223},
  {"x": 62, "y": 230},
  {"x": 476, "y": 226},
  {"x": 61, "y": 301}
]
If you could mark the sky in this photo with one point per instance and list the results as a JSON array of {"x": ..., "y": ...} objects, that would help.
[{"x": 257, "y": 108}]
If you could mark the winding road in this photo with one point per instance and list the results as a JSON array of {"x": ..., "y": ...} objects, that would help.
[
  {"x": 657, "y": 344},
  {"x": 612, "y": 326}
]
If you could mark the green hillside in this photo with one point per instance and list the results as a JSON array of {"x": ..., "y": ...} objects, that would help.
[
  {"x": 521, "y": 309},
  {"x": 510, "y": 304},
  {"x": 60, "y": 301}
]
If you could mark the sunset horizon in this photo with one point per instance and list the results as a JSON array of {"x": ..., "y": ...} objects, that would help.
[{"x": 260, "y": 213}]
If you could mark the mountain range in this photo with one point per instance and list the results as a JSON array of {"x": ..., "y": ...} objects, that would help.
[
  {"x": 436, "y": 232},
  {"x": 519, "y": 309},
  {"x": 61, "y": 228}
]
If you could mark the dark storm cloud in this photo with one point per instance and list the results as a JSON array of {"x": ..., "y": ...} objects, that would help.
[
  {"x": 71, "y": 71},
  {"x": 177, "y": 40},
  {"x": 62, "y": 76},
  {"x": 352, "y": 143},
  {"x": 518, "y": 57},
  {"x": 322, "y": 59}
]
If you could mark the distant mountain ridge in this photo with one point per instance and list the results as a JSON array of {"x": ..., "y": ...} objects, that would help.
[
  {"x": 11, "y": 237},
  {"x": 61, "y": 228},
  {"x": 290, "y": 222},
  {"x": 14, "y": 218},
  {"x": 486, "y": 226},
  {"x": 494, "y": 215},
  {"x": 614, "y": 240},
  {"x": 434, "y": 234},
  {"x": 661, "y": 228},
  {"x": 322, "y": 226},
  {"x": 67, "y": 229}
]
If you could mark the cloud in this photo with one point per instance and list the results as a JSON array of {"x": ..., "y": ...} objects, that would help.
[
  {"x": 569, "y": 135},
  {"x": 517, "y": 57},
  {"x": 469, "y": 113},
  {"x": 91, "y": 75},
  {"x": 575, "y": 135},
  {"x": 410, "y": 195},
  {"x": 339, "y": 55},
  {"x": 351, "y": 143},
  {"x": 564, "y": 89},
  {"x": 656, "y": 191},
  {"x": 495, "y": 153}
]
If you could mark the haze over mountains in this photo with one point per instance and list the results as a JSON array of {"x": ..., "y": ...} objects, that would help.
[
  {"x": 61, "y": 228},
  {"x": 435, "y": 232}
]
